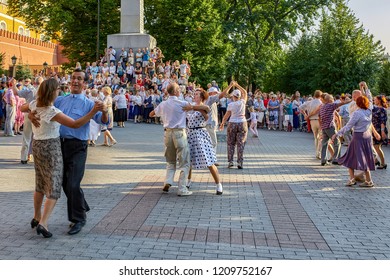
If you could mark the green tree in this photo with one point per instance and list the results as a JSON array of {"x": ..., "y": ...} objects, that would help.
[
  {"x": 346, "y": 53},
  {"x": 23, "y": 72},
  {"x": 335, "y": 58},
  {"x": 228, "y": 38},
  {"x": 258, "y": 29},
  {"x": 189, "y": 30},
  {"x": 384, "y": 79},
  {"x": 298, "y": 70},
  {"x": 73, "y": 23}
]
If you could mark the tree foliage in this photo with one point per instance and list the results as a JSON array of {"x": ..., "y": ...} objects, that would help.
[
  {"x": 223, "y": 39},
  {"x": 189, "y": 30},
  {"x": 243, "y": 36},
  {"x": 23, "y": 72},
  {"x": 73, "y": 23},
  {"x": 258, "y": 29},
  {"x": 384, "y": 79},
  {"x": 335, "y": 58}
]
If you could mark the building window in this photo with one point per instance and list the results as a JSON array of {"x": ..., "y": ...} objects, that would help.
[
  {"x": 3, "y": 25},
  {"x": 27, "y": 32},
  {"x": 21, "y": 30}
]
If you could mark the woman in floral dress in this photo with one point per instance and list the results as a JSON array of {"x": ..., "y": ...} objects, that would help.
[
  {"x": 379, "y": 121},
  {"x": 201, "y": 150}
]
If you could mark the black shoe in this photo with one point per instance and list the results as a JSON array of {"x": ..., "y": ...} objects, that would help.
[
  {"x": 34, "y": 223},
  {"x": 335, "y": 162},
  {"x": 43, "y": 231},
  {"x": 325, "y": 163},
  {"x": 23, "y": 161},
  {"x": 76, "y": 228},
  {"x": 382, "y": 166},
  {"x": 230, "y": 165},
  {"x": 240, "y": 167},
  {"x": 166, "y": 187},
  {"x": 378, "y": 163}
]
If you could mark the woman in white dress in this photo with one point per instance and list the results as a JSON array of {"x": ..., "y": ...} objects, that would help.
[
  {"x": 94, "y": 128},
  {"x": 201, "y": 149},
  {"x": 106, "y": 129}
]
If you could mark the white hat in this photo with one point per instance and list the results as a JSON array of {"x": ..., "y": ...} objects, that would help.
[
  {"x": 237, "y": 93},
  {"x": 213, "y": 89}
]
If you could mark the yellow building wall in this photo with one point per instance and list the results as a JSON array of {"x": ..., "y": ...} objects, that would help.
[
  {"x": 26, "y": 46},
  {"x": 13, "y": 24}
]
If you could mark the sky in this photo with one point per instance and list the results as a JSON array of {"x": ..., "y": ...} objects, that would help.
[{"x": 375, "y": 17}]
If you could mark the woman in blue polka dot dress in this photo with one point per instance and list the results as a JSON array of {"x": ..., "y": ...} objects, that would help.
[{"x": 201, "y": 149}]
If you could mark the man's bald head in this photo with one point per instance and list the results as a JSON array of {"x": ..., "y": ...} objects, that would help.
[{"x": 355, "y": 94}]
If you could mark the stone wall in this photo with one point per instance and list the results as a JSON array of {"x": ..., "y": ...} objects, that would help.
[{"x": 29, "y": 50}]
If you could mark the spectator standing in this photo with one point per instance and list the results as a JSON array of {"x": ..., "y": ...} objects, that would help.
[
  {"x": 28, "y": 93},
  {"x": 120, "y": 108},
  {"x": 106, "y": 129},
  {"x": 379, "y": 121},
  {"x": 112, "y": 54},
  {"x": 10, "y": 101}
]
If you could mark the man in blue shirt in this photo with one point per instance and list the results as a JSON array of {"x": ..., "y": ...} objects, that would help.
[{"x": 74, "y": 148}]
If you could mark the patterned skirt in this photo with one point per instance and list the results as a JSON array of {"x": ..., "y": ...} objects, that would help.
[
  {"x": 49, "y": 167},
  {"x": 201, "y": 149},
  {"x": 274, "y": 117}
]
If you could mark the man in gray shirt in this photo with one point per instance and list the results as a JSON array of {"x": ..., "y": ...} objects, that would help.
[{"x": 29, "y": 93}]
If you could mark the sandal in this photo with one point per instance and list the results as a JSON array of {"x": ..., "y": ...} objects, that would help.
[
  {"x": 367, "y": 184},
  {"x": 351, "y": 182}
]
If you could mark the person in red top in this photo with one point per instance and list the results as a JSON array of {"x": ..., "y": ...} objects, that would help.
[{"x": 140, "y": 81}]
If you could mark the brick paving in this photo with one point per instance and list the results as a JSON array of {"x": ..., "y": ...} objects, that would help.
[{"x": 282, "y": 205}]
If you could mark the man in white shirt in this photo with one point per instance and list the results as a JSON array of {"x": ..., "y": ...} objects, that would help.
[
  {"x": 112, "y": 54},
  {"x": 176, "y": 143},
  {"x": 310, "y": 111}
]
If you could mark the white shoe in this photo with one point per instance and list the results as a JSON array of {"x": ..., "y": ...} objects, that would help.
[
  {"x": 184, "y": 193},
  {"x": 219, "y": 189}
]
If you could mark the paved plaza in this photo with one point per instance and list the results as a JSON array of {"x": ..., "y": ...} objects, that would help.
[{"x": 282, "y": 205}]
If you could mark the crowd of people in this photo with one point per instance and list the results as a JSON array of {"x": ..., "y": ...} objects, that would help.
[{"x": 68, "y": 113}]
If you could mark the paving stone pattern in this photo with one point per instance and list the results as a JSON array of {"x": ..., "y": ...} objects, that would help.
[{"x": 282, "y": 205}]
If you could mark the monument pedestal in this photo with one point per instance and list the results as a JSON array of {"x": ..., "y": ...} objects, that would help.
[
  {"x": 130, "y": 40},
  {"x": 132, "y": 29}
]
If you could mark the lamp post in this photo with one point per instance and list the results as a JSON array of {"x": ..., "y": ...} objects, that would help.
[
  {"x": 13, "y": 59},
  {"x": 45, "y": 67},
  {"x": 98, "y": 32}
]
